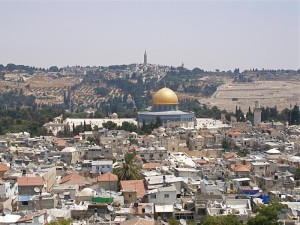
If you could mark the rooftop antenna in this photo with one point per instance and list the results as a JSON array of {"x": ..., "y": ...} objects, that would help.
[
  {"x": 110, "y": 208},
  {"x": 38, "y": 190}
]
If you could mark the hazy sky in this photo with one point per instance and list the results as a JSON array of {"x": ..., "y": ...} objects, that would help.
[{"x": 206, "y": 34}]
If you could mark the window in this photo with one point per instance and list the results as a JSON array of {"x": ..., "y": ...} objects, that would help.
[
  {"x": 129, "y": 196},
  {"x": 153, "y": 196},
  {"x": 25, "y": 203},
  {"x": 167, "y": 196}
]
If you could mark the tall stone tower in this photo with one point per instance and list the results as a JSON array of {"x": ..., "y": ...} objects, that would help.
[
  {"x": 257, "y": 113},
  {"x": 145, "y": 58}
]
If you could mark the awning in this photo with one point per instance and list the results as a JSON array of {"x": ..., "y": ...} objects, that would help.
[{"x": 102, "y": 200}]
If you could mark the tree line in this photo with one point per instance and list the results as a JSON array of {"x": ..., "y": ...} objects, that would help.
[{"x": 292, "y": 115}]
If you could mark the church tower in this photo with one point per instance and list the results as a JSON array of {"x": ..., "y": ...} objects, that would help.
[
  {"x": 145, "y": 58},
  {"x": 257, "y": 113}
]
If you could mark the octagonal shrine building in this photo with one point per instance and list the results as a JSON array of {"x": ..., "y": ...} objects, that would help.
[{"x": 165, "y": 107}]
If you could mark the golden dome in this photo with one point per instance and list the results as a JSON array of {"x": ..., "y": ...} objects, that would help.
[{"x": 165, "y": 96}]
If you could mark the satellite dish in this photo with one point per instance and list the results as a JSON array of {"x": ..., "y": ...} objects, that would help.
[
  {"x": 148, "y": 209},
  {"x": 36, "y": 190},
  {"x": 110, "y": 208},
  {"x": 182, "y": 221},
  {"x": 179, "y": 206},
  {"x": 61, "y": 196},
  {"x": 6, "y": 211},
  {"x": 107, "y": 217}
]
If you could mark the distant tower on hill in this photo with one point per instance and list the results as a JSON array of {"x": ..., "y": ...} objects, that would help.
[
  {"x": 145, "y": 58},
  {"x": 257, "y": 113}
]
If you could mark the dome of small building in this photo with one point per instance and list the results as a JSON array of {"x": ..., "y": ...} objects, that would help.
[
  {"x": 114, "y": 116},
  {"x": 87, "y": 192},
  {"x": 165, "y": 96},
  {"x": 161, "y": 130},
  {"x": 248, "y": 123}
]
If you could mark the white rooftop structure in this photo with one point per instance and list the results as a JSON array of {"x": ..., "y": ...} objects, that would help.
[
  {"x": 86, "y": 192},
  {"x": 9, "y": 219},
  {"x": 164, "y": 208},
  {"x": 160, "y": 179},
  {"x": 260, "y": 163},
  {"x": 273, "y": 151},
  {"x": 69, "y": 149},
  {"x": 102, "y": 162},
  {"x": 181, "y": 158},
  {"x": 210, "y": 123}
]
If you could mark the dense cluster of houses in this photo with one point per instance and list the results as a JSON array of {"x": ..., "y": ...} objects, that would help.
[{"x": 215, "y": 169}]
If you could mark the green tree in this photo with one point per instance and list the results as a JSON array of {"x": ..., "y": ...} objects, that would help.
[
  {"x": 222, "y": 220},
  {"x": 297, "y": 173},
  {"x": 191, "y": 222},
  {"x": 129, "y": 127},
  {"x": 295, "y": 116},
  {"x": 133, "y": 141},
  {"x": 267, "y": 215},
  {"x": 53, "y": 69},
  {"x": 61, "y": 222},
  {"x": 173, "y": 221},
  {"x": 129, "y": 170},
  {"x": 91, "y": 140},
  {"x": 225, "y": 144},
  {"x": 110, "y": 125}
]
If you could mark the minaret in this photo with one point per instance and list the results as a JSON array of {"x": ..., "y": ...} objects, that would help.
[
  {"x": 145, "y": 58},
  {"x": 257, "y": 113}
]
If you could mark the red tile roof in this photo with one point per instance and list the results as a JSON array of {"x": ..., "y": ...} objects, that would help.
[
  {"x": 25, "y": 218},
  {"x": 134, "y": 185},
  {"x": 200, "y": 161},
  {"x": 148, "y": 166},
  {"x": 29, "y": 217},
  {"x": 61, "y": 143},
  {"x": 242, "y": 168},
  {"x": 138, "y": 221},
  {"x": 30, "y": 181},
  {"x": 234, "y": 132},
  {"x": 73, "y": 178},
  {"x": 229, "y": 155},
  {"x": 107, "y": 177},
  {"x": 4, "y": 168}
]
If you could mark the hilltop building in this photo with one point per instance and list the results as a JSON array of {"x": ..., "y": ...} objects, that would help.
[{"x": 165, "y": 107}]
